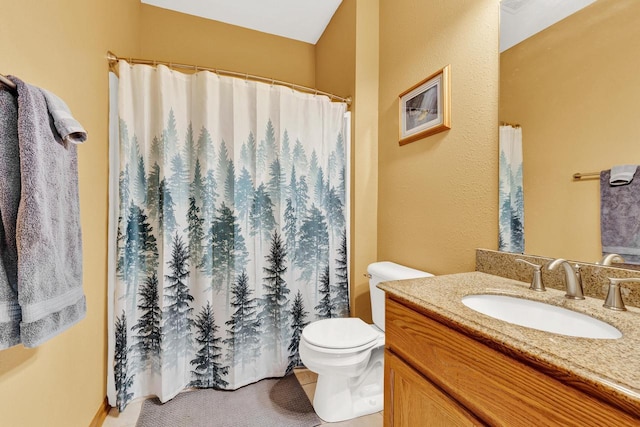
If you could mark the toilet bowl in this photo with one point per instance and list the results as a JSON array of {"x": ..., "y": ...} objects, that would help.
[
  {"x": 348, "y": 354},
  {"x": 347, "y": 385}
]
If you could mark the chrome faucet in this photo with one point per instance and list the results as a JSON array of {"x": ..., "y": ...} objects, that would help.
[
  {"x": 572, "y": 278},
  {"x": 614, "y": 297},
  {"x": 610, "y": 259}
]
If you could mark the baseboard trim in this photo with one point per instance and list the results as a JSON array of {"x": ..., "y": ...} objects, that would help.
[{"x": 101, "y": 414}]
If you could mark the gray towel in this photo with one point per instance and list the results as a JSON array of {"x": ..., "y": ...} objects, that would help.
[
  {"x": 48, "y": 237},
  {"x": 620, "y": 218},
  {"x": 9, "y": 201},
  {"x": 69, "y": 129}
]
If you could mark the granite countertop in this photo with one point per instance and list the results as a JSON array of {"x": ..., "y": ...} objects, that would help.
[{"x": 610, "y": 365}]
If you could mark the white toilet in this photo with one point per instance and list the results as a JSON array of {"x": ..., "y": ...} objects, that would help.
[{"x": 348, "y": 354}]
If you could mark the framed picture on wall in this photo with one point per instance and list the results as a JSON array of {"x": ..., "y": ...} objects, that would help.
[{"x": 425, "y": 108}]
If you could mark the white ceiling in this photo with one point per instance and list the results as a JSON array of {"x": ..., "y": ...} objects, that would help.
[
  {"x": 303, "y": 20},
  {"x": 306, "y": 20},
  {"x": 520, "y": 19}
]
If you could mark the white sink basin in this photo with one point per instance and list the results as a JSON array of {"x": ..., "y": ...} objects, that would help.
[{"x": 541, "y": 316}]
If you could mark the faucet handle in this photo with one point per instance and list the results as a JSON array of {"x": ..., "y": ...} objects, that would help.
[
  {"x": 536, "y": 280},
  {"x": 614, "y": 297}
]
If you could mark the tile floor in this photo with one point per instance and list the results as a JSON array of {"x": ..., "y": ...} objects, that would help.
[{"x": 306, "y": 378}]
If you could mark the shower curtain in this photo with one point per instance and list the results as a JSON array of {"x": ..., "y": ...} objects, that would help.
[
  {"x": 229, "y": 229},
  {"x": 511, "y": 197}
]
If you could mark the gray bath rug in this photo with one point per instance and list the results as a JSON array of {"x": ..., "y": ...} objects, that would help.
[{"x": 279, "y": 402}]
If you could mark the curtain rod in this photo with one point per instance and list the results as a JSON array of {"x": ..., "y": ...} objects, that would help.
[
  {"x": 8, "y": 83},
  {"x": 513, "y": 125},
  {"x": 113, "y": 58}
]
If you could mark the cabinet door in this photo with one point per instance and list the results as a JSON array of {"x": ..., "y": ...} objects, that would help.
[
  {"x": 492, "y": 385},
  {"x": 411, "y": 400}
]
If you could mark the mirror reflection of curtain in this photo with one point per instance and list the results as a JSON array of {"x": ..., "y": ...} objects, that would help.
[
  {"x": 511, "y": 197},
  {"x": 229, "y": 229}
]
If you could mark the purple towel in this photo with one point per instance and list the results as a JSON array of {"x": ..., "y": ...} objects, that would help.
[
  {"x": 69, "y": 129},
  {"x": 620, "y": 218},
  {"x": 9, "y": 201},
  {"x": 48, "y": 237}
]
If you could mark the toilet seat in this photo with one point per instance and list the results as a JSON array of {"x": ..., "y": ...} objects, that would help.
[
  {"x": 342, "y": 351},
  {"x": 339, "y": 334}
]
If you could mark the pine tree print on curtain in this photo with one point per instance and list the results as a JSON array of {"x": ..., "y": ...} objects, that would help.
[
  {"x": 231, "y": 230},
  {"x": 208, "y": 370},
  {"x": 146, "y": 333},
  {"x": 243, "y": 340},
  {"x": 176, "y": 328},
  {"x": 123, "y": 381},
  {"x": 298, "y": 317},
  {"x": 274, "y": 304}
]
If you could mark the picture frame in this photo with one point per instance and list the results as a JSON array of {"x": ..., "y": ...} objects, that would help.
[{"x": 425, "y": 108}]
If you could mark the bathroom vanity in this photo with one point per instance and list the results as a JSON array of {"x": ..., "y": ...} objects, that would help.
[{"x": 446, "y": 364}]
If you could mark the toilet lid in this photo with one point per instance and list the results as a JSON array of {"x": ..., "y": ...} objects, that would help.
[{"x": 339, "y": 333}]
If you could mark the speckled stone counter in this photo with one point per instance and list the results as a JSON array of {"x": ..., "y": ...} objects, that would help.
[
  {"x": 594, "y": 277},
  {"x": 609, "y": 366}
]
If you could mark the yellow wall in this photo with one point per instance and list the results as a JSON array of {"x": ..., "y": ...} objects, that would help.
[
  {"x": 176, "y": 37},
  {"x": 365, "y": 153},
  {"x": 61, "y": 46},
  {"x": 433, "y": 203},
  {"x": 347, "y": 64},
  {"x": 576, "y": 96},
  {"x": 336, "y": 52},
  {"x": 438, "y": 196}
]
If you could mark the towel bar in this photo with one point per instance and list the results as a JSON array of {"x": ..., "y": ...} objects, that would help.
[
  {"x": 578, "y": 176},
  {"x": 8, "y": 83}
]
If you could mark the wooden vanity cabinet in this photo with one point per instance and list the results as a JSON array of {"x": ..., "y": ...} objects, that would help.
[
  {"x": 413, "y": 400},
  {"x": 437, "y": 376}
]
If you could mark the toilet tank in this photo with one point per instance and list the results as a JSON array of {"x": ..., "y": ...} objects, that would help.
[{"x": 382, "y": 272}]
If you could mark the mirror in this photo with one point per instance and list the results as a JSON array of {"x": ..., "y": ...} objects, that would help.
[{"x": 574, "y": 88}]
